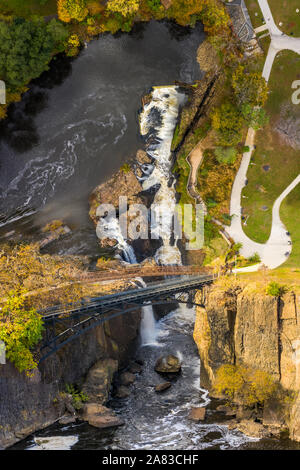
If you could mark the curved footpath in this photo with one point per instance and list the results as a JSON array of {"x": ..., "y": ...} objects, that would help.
[{"x": 277, "y": 249}]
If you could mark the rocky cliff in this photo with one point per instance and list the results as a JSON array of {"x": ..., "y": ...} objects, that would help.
[
  {"x": 31, "y": 403},
  {"x": 242, "y": 325}
]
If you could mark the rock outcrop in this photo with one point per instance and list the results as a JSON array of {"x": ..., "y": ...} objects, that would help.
[
  {"x": 168, "y": 364},
  {"x": 242, "y": 326},
  {"x": 123, "y": 183}
]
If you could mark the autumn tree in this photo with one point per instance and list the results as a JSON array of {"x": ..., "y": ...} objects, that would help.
[
  {"x": 69, "y": 10},
  {"x": 20, "y": 330},
  {"x": 47, "y": 279},
  {"x": 227, "y": 122},
  {"x": 240, "y": 383},
  {"x": 249, "y": 88},
  {"x": 214, "y": 17},
  {"x": 124, "y": 7}
]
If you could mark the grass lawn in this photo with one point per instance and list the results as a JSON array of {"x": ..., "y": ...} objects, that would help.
[
  {"x": 28, "y": 8},
  {"x": 284, "y": 11},
  {"x": 276, "y": 164},
  {"x": 290, "y": 216},
  {"x": 255, "y": 13}
]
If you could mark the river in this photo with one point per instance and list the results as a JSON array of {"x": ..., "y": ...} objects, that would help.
[{"x": 79, "y": 121}]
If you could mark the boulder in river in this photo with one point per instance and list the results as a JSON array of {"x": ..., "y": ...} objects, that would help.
[
  {"x": 127, "y": 378},
  {"x": 100, "y": 417},
  {"x": 168, "y": 364},
  {"x": 162, "y": 387},
  {"x": 197, "y": 414}
]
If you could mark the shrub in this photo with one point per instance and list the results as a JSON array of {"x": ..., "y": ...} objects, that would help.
[
  {"x": 226, "y": 155},
  {"x": 275, "y": 289},
  {"x": 240, "y": 383},
  {"x": 255, "y": 258},
  {"x": 78, "y": 398},
  {"x": 125, "y": 168}
]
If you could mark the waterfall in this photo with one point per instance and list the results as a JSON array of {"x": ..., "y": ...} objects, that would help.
[{"x": 157, "y": 125}]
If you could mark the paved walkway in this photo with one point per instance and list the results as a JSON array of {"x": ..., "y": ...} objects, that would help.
[{"x": 277, "y": 249}]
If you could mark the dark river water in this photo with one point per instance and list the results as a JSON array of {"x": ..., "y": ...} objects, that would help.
[{"x": 78, "y": 122}]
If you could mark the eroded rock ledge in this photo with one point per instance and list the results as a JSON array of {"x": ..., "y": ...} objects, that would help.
[{"x": 242, "y": 326}]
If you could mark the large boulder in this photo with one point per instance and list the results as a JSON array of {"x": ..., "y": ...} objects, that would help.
[
  {"x": 100, "y": 417},
  {"x": 168, "y": 364},
  {"x": 197, "y": 414},
  {"x": 162, "y": 387}
]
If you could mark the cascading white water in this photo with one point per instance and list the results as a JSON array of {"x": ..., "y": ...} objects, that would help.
[{"x": 157, "y": 125}]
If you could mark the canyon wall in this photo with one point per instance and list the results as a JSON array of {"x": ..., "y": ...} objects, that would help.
[
  {"x": 31, "y": 403},
  {"x": 242, "y": 326}
]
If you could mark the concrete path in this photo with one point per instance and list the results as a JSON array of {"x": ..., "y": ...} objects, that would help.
[{"x": 277, "y": 249}]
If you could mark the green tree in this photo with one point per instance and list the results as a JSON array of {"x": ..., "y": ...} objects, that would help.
[
  {"x": 57, "y": 30},
  {"x": 25, "y": 50},
  {"x": 20, "y": 330},
  {"x": 254, "y": 116}
]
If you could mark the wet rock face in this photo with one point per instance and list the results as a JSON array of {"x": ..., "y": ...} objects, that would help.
[{"x": 168, "y": 364}]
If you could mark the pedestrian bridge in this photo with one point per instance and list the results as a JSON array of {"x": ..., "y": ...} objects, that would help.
[{"x": 64, "y": 324}]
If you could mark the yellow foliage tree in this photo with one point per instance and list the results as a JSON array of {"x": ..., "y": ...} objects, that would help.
[
  {"x": 125, "y": 7},
  {"x": 240, "y": 383},
  {"x": 69, "y": 10}
]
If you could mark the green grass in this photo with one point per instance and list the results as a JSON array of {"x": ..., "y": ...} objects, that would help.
[
  {"x": 290, "y": 216},
  {"x": 285, "y": 11},
  {"x": 264, "y": 187},
  {"x": 27, "y": 8},
  {"x": 255, "y": 13}
]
